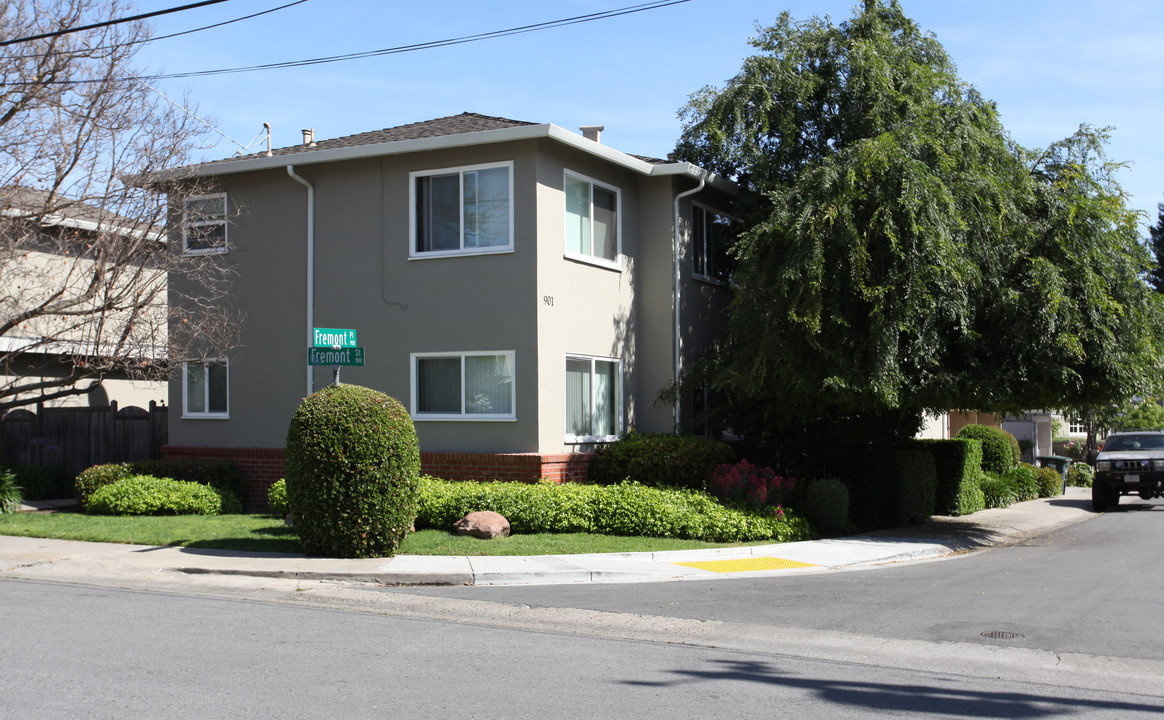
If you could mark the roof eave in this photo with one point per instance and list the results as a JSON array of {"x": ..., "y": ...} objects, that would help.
[{"x": 397, "y": 147}]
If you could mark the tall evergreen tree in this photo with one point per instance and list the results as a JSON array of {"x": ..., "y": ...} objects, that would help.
[{"x": 902, "y": 253}]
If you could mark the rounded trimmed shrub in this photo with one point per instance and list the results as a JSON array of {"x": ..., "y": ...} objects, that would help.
[
  {"x": 148, "y": 495},
  {"x": 826, "y": 503},
  {"x": 277, "y": 497},
  {"x": 353, "y": 465},
  {"x": 1000, "y": 449}
]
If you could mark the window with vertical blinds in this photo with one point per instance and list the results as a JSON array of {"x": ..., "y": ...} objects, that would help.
[
  {"x": 593, "y": 399},
  {"x": 592, "y": 226},
  {"x": 463, "y": 386}
]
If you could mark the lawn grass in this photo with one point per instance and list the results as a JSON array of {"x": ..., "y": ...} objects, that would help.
[{"x": 267, "y": 533}]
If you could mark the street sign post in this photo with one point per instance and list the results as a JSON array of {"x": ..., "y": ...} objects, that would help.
[{"x": 336, "y": 347}]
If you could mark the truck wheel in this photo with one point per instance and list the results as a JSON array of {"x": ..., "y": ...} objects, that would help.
[{"x": 1099, "y": 497}]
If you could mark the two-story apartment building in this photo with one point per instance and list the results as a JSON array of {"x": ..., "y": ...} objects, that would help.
[{"x": 524, "y": 290}]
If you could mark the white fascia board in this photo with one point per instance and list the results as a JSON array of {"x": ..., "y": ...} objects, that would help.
[
  {"x": 43, "y": 346},
  {"x": 485, "y": 137},
  {"x": 57, "y": 220}
]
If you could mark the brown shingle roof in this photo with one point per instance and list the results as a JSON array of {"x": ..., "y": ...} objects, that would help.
[{"x": 451, "y": 125}]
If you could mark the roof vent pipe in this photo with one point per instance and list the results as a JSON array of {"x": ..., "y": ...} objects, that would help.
[
  {"x": 309, "y": 137},
  {"x": 267, "y": 127},
  {"x": 592, "y": 132}
]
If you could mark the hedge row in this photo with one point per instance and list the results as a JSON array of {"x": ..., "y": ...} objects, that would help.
[{"x": 621, "y": 509}]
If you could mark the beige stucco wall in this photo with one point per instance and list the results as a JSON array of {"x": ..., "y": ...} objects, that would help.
[{"x": 533, "y": 301}]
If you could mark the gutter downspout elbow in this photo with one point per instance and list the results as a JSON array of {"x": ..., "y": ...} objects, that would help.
[
  {"x": 676, "y": 249},
  {"x": 310, "y": 266}
]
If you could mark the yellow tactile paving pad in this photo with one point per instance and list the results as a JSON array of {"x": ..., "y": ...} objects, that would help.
[{"x": 746, "y": 564}]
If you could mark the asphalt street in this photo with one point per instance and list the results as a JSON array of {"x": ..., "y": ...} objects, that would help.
[
  {"x": 74, "y": 651},
  {"x": 1052, "y": 620}
]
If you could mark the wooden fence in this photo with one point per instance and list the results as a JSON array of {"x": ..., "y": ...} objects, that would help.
[{"x": 79, "y": 437}]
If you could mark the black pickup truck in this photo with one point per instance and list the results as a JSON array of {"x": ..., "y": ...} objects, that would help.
[{"x": 1131, "y": 462}]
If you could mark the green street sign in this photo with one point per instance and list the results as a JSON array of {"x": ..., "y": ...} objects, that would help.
[
  {"x": 336, "y": 356},
  {"x": 332, "y": 338}
]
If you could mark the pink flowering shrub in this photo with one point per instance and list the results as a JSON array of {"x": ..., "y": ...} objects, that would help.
[{"x": 746, "y": 484}]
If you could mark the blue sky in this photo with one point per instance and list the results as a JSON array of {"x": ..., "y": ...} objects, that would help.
[{"x": 1049, "y": 65}]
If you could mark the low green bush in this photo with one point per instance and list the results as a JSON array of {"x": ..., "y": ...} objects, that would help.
[
  {"x": 148, "y": 495},
  {"x": 1024, "y": 477},
  {"x": 90, "y": 479},
  {"x": 1080, "y": 475},
  {"x": 226, "y": 478},
  {"x": 660, "y": 460},
  {"x": 998, "y": 491},
  {"x": 10, "y": 493},
  {"x": 1000, "y": 449},
  {"x": 826, "y": 503},
  {"x": 221, "y": 476},
  {"x": 622, "y": 509},
  {"x": 1050, "y": 482},
  {"x": 277, "y": 498}
]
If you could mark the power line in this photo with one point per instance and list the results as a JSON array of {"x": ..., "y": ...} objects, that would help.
[
  {"x": 656, "y": 4},
  {"x": 178, "y": 34},
  {"x": 107, "y": 23},
  {"x": 628, "y": 10},
  {"x": 225, "y": 22}
]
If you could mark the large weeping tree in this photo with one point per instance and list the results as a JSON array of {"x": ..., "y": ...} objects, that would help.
[
  {"x": 902, "y": 253},
  {"x": 85, "y": 257}
]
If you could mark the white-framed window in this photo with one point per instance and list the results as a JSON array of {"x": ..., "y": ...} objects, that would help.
[
  {"x": 1076, "y": 426},
  {"x": 204, "y": 224},
  {"x": 463, "y": 386},
  {"x": 206, "y": 389},
  {"x": 712, "y": 235},
  {"x": 593, "y": 399},
  {"x": 459, "y": 211},
  {"x": 592, "y": 220}
]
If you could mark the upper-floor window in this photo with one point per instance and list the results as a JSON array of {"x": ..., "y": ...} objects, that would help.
[
  {"x": 593, "y": 399},
  {"x": 205, "y": 390},
  {"x": 204, "y": 224},
  {"x": 463, "y": 386},
  {"x": 592, "y": 229},
  {"x": 712, "y": 235},
  {"x": 462, "y": 210}
]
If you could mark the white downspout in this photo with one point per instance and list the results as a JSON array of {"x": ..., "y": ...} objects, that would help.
[
  {"x": 310, "y": 266},
  {"x": 678, "y": 278}
]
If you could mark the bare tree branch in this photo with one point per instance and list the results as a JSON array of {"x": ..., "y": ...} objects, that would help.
[{"x": 86, "y": 257}]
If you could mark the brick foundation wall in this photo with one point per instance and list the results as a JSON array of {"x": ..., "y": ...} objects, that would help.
[
  {"x": 518, "y": 467},
  {"x": 263, "y": 466},
  {"x": 260, "y": 466}
]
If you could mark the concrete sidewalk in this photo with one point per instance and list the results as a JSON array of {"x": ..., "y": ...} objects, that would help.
[{"x": 46, "y": 559}]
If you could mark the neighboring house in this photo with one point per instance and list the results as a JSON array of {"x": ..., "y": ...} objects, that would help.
[
  {"x": 944, "y": 426},
  {"x": 524, "y": 290},
  {"x": 50, "y": 260}
]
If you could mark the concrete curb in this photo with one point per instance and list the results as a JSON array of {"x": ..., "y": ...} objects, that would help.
[{"x": 941, "y": 537}]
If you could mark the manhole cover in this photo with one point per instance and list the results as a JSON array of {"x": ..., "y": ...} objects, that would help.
[{"x": 1002, "y": 635}]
